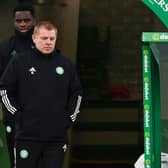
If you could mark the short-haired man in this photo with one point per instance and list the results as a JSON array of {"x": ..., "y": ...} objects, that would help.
[
  {"x": 24, "y": 21},
  {"x": 42, "y": 88}
]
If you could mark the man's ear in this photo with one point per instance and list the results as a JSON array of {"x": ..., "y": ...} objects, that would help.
[{"x": 33, "y": 38}]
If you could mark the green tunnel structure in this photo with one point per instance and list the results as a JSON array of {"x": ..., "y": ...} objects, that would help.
[{"x": 155, "y": 96}]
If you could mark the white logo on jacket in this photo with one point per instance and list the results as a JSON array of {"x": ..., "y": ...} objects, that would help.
[
  {"x": 32, "y": 70},
  {"x": 59, "y": 70}
]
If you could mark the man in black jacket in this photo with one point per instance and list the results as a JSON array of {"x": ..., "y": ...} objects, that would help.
[
  {"x": 41, "y": 87},
  {"x": 24, "y": 21}
]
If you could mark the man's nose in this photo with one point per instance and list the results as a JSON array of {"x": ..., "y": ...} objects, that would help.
[
  {"x": 22, "y": 22},
  {"x": 48, "y": 41}
]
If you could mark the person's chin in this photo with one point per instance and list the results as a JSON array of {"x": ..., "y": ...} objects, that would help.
[
  {"x": 47, "y": 52},
  {"x": 23, "y": 33}
]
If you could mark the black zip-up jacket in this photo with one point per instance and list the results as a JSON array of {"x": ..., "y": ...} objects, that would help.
[
  {"x": 44, "y": 92},
  {"x": 8, "y": 49}
]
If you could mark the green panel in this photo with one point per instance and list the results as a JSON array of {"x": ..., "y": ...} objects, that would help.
[
  {"x": 147, "y": 104},
  {"x": 155, "y": 36},
  {"x": 160, "y": 8},
  {"x": 155, "y": 58}
]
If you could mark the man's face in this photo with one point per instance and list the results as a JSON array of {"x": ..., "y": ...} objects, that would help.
[
  {"x": 23, "y": 21},
  {"x": 45, "y": 40}
]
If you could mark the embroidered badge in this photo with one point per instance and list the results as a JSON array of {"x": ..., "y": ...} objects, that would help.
[
  {"x": 8, "y": 129},
  {"x": 59, "y": 70},
  {"x": 24, "y": 154},
  {"x": 13, "y": 53}
]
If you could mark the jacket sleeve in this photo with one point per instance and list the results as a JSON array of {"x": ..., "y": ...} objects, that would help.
[
  {"x": 6, "y": 47},
  {"x": 8, "y": 87},
  {"x": 75, "y": 96}
]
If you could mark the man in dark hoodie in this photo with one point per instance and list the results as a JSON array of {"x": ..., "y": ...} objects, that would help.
[
  {"x": 42, "y": 89},
  {"x": 24, "y": 21}
]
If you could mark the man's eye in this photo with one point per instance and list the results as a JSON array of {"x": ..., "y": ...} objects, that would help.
[
  {"x": 18, "y": 20},
  {"x": 44, "y": 38},
  {"x": 52, "y": 38},
  {"x": 27, "y": 20},
  {"x": 23, "y": 20},
  {"x": 48, "y": 38}
]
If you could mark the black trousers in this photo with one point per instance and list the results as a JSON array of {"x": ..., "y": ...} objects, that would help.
[
  {"x": 30, "y": 154},
  {"x": 10, "y": 140}
]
